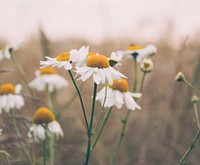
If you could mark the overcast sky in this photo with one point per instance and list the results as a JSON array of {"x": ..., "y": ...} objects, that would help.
[{"x": 98, "y": 19}]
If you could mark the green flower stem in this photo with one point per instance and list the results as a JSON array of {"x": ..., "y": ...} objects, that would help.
[
  {"x": 52, "y": 137},
  {"x": 102, "y": 127},
  {"x": 88, "y": 154},
  {"x": 192, "y": 86},
  {"x": 100, "y": 116},
  {"x": 7, "y": 155},
  {"x": 125, "y": 120},
  {"x": 192, "y": 145},
  {"x": 44, "y": 152},
  {"x": 196, "y": 115},
  {"x": 19, "y": 134},
  {"x": 81, "y": 100},
  {"x": 21, "y": 71},
  {"x": 142, "y": 82},
  {"x": 124, "y": 123},
  {"x": 135, "y": 75}
]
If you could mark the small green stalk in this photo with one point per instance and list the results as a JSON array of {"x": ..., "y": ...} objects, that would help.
[
  {"x": 19, "y": 134},
  {"x": 99, "y": 118},
  {"x": 22, "y": 73},
  {"x": 88, "y": 154},
  {"x": 196, "y": 115},
  {"x": 192, "y": 86},
  {"x": 44, "y": 152},
  {"x": 102, "y": 127},
  {"x": 125, "y": 120},
  {"x": 52, "y": 137},
  {"x": 123, "y": 129},
  {"x": 135, "y": 75},
  {"x": 142, "y": 81},
  {"x": 192, "y": 145},
  {"x": 81, "y": 100}
]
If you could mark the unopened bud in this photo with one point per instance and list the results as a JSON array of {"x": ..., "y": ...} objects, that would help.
[{"x": 180, "y": 76}]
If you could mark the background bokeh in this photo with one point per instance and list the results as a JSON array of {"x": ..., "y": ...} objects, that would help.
[{"x": 158, "y": 134}]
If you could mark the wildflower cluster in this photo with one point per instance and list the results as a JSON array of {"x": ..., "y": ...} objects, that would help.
[{"x": 85, "y": 64}]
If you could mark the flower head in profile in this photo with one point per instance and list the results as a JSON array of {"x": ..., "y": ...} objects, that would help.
[
  {"x": 115, "y": 59},
  {"x": 146, "y": 65},
  {"x": 66, "y": 59},
  {"x": 44, "y": 123},
  {"x": 10, "y": 97},
  {"x": 138, "y": 52},
  {"x": 118, "y": 94},
  {"x": 98, "y": 67},
  {"x": 5, "y": 53},
  {"x": 180, "y": 77},
  {"x": 47, "y": 78}
]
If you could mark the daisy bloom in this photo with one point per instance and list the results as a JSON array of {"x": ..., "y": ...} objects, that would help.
[
  {"x": 118, "y": 94},
  {"x": 99, "y": 68},
  {"x": 47, "y": 78},
  {"x": 6, "y": 52},
  {"x": 44, "y": 123},
  {"x": 65, "y": 59},
  {"x": 10, "y": 97},
  {"x": 138, "y": 52},
  {"x": 146, "y": 65}
]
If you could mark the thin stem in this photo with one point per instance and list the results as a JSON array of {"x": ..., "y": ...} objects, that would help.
[
  {"x": 102, "y": 127},
  {"x": 99, "y": 118},
  {"x": 123, "y": 129},
  {"x": 19, "y": 134},
  {"x": 192, "y": 145},
  {"x": 135, "y": 75},
  {"x": 81, "y": 100},
  {"x": 7, "y": 155},
  {"x": 192, "y": 86},
  {"x": 21, "y": 71},
  {"x": 52, "y": 137},
  {"x": 90, "y": 128},
  {"x": 44, "y": 152},
  {"x": 142, "y": 81},
  {"x": 196, "y": 115},
  {"x": 125, "y": 120}
]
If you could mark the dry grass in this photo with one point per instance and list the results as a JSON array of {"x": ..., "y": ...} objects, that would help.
[{"x": 159, "y": 134}]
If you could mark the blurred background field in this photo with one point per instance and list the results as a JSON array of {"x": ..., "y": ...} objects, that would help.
[{"x": 160, "y": 133}]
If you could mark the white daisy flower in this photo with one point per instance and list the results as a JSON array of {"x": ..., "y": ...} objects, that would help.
[
  {"x": 99, "y": 68},
  {"x": 118, "y": 94},
  {"x": 138, "y": 52},
  {"x": 44, "y": 124},
  {"x": 10, "y": 97},
  {"x": 47, "y": 78},
  {"x": 150, "y": 50},
  {"x": 6, "y": 52},
  {"x": 65, "y": 59},
  {"x": 146, "y": 65},
  {"x": 80, "y": 56}
]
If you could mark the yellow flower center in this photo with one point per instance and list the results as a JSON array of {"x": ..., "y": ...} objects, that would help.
[
  {"x": 146, "y": 65},
  {"x": 98, "y": 61},
  {"x": 7, "y": 89},
  {"x": 43, "y": 116},
  {"x": 65, "y": 56},
  {"x": 47, "y": 70},
  {"x": 91, "y": 53},
  {"x": 120, "y": 85},
  {"x": 134, "y": 47}
]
